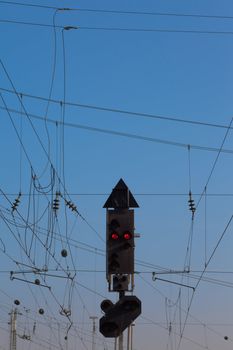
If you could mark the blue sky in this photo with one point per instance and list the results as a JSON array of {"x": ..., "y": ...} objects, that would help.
[{"x": 167, "y": 66}]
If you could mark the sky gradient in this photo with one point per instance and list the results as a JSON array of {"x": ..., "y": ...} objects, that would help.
[{"x": 92, "y": 92}]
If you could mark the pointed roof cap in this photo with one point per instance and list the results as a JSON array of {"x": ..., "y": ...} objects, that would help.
[{"x": 121, "y": 197}]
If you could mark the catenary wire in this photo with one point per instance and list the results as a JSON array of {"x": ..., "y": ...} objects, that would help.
[
  {"x": 57, "y": 301},
  {"x": 215, "y": 162},
  {"x": 132, "y": 136},
  {"x": 28, "y": 5},
  {"x": 30, "y": 289},
  {"x": 210, "y": 280},
  {"x": 54, "y": 64},
  {"x": 148, "y": 13},
  {"x": 41, "y": 143},
  {"x": 201, "y": 276},
  {"x": 62, "y": 269},
  {"x": 117, "y": 110},
  {"x": 35, "y": 24},
  {"x": 135, "y": 194},
  {"x": 119, "y": 29},
  {"x": 219, "y": 240},
  {"x": 153, "y": 30},
  {"x": 182, "y": 309},
  {"x": 101, "y": 252}
]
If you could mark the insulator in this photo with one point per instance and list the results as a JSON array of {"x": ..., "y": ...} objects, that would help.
[
  {"x": 56, "y": 204},
  {"x": 191, "y": 203},
  {"x": 64, "y": 253},
  {"x": 170, "y": 328},
  {"x": 16, "y": 202},
  {"x": 65, "y": 312},
  {"x": 71, "y": 205},
  {"x": 41, "y": 311},
  {"x": 56, "y": 201}
]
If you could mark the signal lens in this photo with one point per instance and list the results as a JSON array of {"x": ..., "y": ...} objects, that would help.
[
  {"x": 127, "y": 236},
  {"x": 114, "y": 236}
]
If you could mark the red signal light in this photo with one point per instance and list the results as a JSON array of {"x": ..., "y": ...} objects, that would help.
[
  {"x": 127, "y": 235},
  {"x": 114, "y": 236}
]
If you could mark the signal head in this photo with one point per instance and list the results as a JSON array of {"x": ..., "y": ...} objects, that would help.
[
  {"x": 127, "y": 235},
  {"x": 114, "y": 236}
]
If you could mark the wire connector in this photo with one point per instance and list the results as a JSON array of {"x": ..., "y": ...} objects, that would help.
[
  {"x": 64, "y": 9},
  {"x": 69, "y": 27}
]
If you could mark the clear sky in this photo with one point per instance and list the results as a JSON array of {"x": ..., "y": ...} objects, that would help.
[{"x": 138, "y": 90}]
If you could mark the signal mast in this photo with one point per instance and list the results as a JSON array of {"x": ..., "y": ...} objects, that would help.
[{"x": 120, "y": 248}]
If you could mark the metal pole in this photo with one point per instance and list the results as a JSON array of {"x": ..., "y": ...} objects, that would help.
[
  {"x": 115, "y": 344},
  {"x": 93, "y": 318},
  {"x": 13, "y": 315},
  {"x": 132, "y": 336},
  {"x": 121, "y": 341},
  {"x": 128, "y": 337}
]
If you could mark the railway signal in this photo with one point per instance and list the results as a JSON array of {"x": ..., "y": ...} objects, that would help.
[{"x": 119, "y": 316}]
